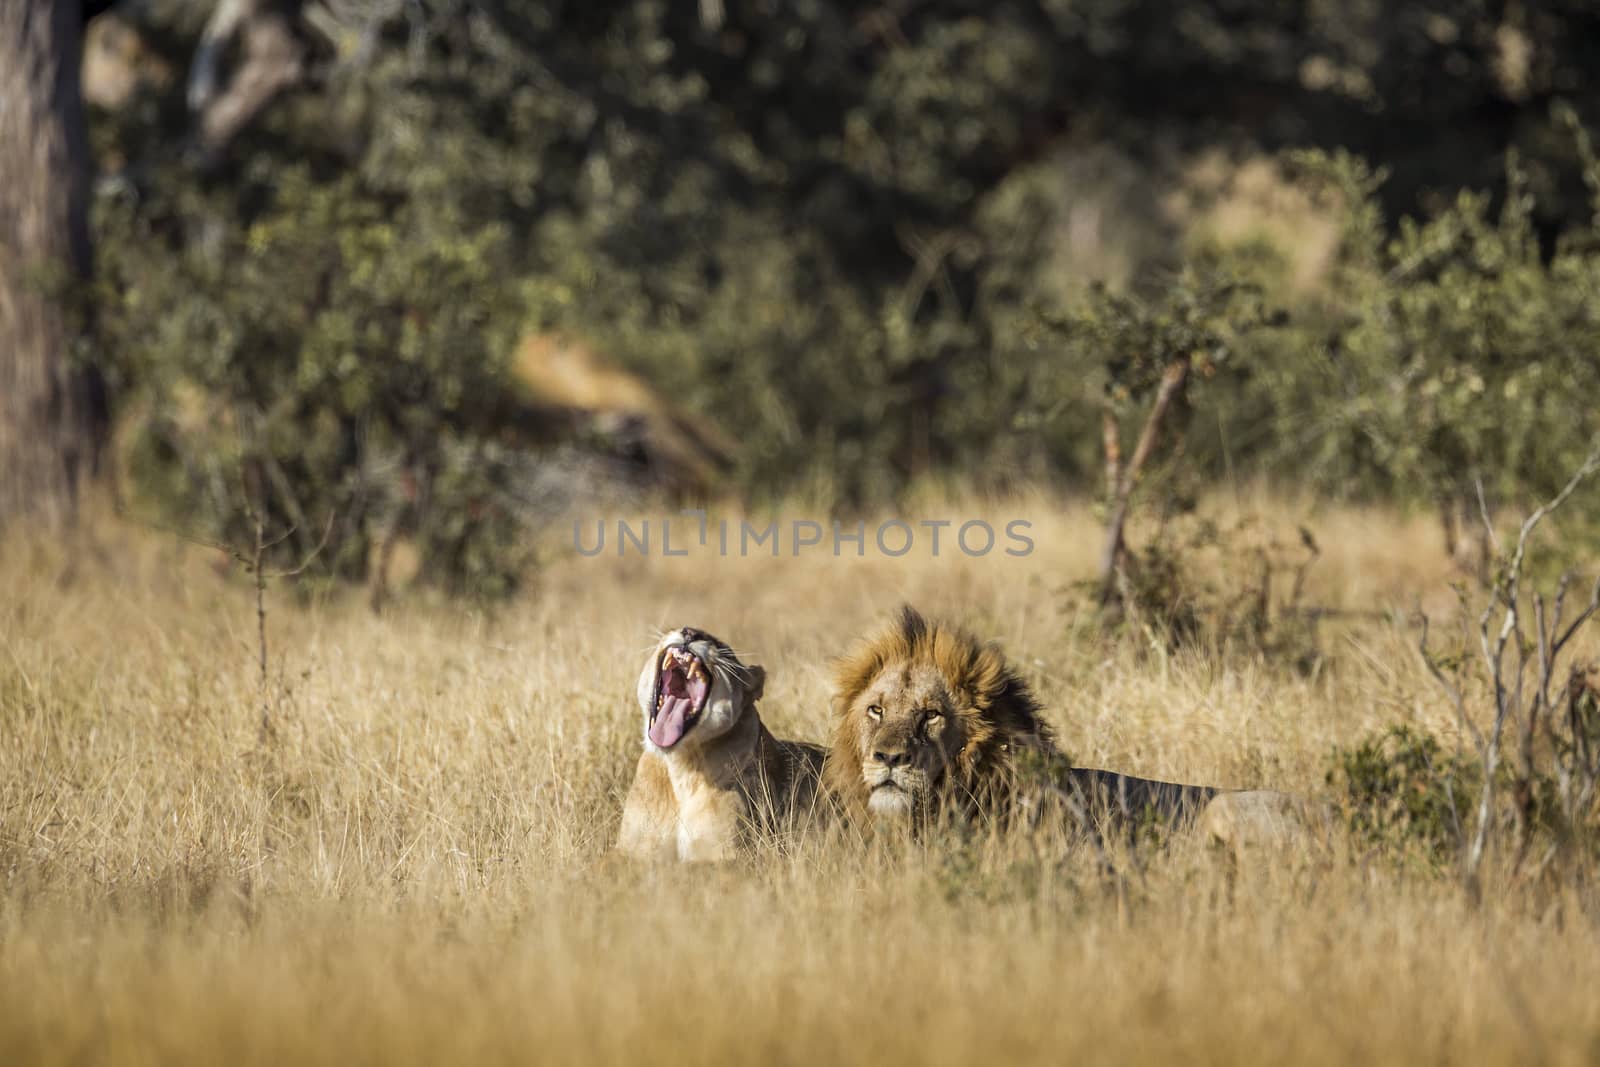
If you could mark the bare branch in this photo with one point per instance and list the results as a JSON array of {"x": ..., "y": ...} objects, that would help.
[
  {"x": 1313, "y": 553},
  {"x": 280, "y": 539},
  {"x": 1507, "y": 594},
  {"x": 182, "y": 535},
  {"x": 1450, "y": 688},
  {"x": 1483, "y": 513},
  {"x": 1531, "y": 723},
  {"x": 1583, "y": 473},
  {"x": 1173, "y": 380},
  {"x": 316, "y": 550},
  {"x": 1584, "y": 616}
]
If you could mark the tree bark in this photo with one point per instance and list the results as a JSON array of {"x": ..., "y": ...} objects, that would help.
[
  {"x": 1111, "y": 441},
  {"x": 48, "y": 407}
]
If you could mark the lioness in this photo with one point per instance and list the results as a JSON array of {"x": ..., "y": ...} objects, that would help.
[
  {"x": 710, "y": 772},
  {"x": 928, "y": 718}
]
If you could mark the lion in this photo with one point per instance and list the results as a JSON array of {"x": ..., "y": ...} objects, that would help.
[
  {"x": 930, "y": 720},
  {"x": 711, "y": 775},
  {"x": 924, "y": 715}
]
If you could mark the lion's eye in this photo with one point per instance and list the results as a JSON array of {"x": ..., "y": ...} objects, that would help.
[{"x": 874, "y": 712}]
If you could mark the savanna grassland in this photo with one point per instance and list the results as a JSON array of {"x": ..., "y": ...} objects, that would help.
[{"x": 411, "y": 864}]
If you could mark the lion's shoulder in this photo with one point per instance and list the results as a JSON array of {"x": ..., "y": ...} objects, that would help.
[{"x": 790, "y": 779}]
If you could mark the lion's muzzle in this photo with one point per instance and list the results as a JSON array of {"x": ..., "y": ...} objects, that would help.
[{"x": 893, "y": 787}]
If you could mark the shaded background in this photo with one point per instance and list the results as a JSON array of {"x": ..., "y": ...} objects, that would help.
[{"x": 438, "y": 271}]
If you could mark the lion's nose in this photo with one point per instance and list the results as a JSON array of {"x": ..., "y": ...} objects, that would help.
[{"x": 891, "y": 758}]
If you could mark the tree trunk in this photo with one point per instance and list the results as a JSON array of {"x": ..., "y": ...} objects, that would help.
[
  {"x": 1173, "y": 380},
  {"x": 48, "y": 407}
]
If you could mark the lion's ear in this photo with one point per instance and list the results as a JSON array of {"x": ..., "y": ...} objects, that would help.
[{"x": 755, "y": 682}]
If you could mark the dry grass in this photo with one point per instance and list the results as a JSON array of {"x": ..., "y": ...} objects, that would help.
[{"x": 414, "y": 869}]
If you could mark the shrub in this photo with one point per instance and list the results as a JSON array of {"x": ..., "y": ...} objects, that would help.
[
  {"x": 331, "y": 359},
  {"x": 1400, "y": 789}
]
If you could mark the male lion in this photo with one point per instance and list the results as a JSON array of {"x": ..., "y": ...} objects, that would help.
[
  {"x": 711, "y": 772},
  {"x": 929, "y": 719},
  {"x": 925, "y": 713}
]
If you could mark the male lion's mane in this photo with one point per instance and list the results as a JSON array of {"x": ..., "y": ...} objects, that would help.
[{"x": 998, "y": 712}]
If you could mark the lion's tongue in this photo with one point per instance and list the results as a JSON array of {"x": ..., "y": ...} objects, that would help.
[
  {"x": 680, "y": 697},
  {"x": 667, "y": 729}
]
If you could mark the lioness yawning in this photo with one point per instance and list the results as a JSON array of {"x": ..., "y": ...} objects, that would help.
[{"x": 711, "y": 773}]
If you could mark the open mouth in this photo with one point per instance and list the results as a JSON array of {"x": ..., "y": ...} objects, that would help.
[{"x": 682, "y": 686}]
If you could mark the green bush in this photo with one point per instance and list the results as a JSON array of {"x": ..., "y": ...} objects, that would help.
[
  {"x": 332, "y": 361},
  {"x": 1400, "y": 789},
  {"x": 844, "y": 236},
  {"x": 1452, "y": 353}
]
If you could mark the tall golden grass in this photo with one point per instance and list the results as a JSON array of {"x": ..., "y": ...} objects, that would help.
[{"x": 413, "y": 866}]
